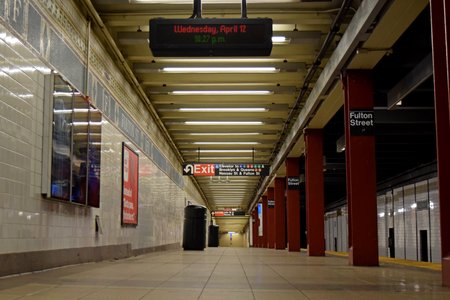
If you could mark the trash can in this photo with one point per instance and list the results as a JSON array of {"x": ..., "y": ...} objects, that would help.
[
  {"x": 213, "y": 236},
  {"x": 194, "y": 232}
]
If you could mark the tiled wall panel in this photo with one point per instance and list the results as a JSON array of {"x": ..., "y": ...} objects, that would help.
[
  {"x": 423, "y": 215},
  {"x": 382, "y": 229},
  {"x": 406, "y": 210},
  {"x": 399, "y": 223},
  {"x": 435, "y": 233},
  {"x": 410, "y": 222},
  {"x": 29, "y": 222}
]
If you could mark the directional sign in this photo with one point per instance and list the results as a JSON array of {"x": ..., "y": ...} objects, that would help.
[
  {"x": 194, "y": 169},
  {"x": 361, "y": 122},
  {"x": 199, "y": 169},
  {"x": 293, "y": 183}
]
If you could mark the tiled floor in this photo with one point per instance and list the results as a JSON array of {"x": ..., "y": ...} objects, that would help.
[{"x": 226, "y": 273}]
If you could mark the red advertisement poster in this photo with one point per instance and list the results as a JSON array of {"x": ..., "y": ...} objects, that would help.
[{"x": 130, "y": 180}]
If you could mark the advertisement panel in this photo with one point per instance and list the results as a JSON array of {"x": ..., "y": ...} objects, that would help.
[
  {"x": 260, "y": 216},
  {"x": 130, "y": 183}
]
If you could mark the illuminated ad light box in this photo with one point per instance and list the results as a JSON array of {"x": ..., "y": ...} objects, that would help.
[
  {"x": 130, "y": 185},
  {"x": 194, "y": 169},
  {"x": 210, "y": 37}
]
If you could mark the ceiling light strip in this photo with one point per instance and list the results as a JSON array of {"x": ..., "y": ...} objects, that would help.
[
  {"x": 220, "y": 70},
  {"x": 219, "y": 109},
  {"x": 222, "y": 92},
  {"x": 223, "y": 123}
]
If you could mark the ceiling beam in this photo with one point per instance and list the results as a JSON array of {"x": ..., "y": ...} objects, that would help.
[{"x": 410, "y": 82}]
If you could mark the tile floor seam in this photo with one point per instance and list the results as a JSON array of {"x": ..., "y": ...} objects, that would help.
[
  {"x": 246, "y": 277},
  {"x": 210, "y": 275}
]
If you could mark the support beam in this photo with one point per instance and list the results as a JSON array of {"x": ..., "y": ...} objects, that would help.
[
  {"x": 293, "y": 204},
  {"x": 410, "y": 82},
  {"x": 315, "y": 191},
  {"x": 271, "y": 217},
  {"x": 280, "y": 213},
  {"x": 440, "y": 18},
  {"x": 361, "y": 177},
  {"x": 265, "y": 222}
]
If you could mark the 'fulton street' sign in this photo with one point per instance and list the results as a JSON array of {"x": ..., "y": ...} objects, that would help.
[
  {"x": 361, "y": 122},
  {"x": 194, "y": 169}
]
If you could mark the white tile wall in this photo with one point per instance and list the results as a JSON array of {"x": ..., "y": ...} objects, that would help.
[
  {"x": 423, "y": 215},
  {"x": 343, "y": 231},
  {"x": 435, "y": 233},
  {"x": 410, "y": 222},
  {"x": 399, "y": 223},
  {"x": 398, "y": 209},
  {"x": 30, "y": 223},
  {"x": 382, "y": 229}
]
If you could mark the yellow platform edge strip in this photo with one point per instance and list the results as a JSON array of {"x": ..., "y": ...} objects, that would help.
[{"x": 397, "y": 261}]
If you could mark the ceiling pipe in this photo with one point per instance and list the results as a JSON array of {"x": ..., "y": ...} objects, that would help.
[
  {"x": 244, "y": 9},
  {"x": 197, "y": 14}
]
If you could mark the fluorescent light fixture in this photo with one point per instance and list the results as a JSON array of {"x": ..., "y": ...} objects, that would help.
[
  {"x": 222, "y": 93},
  {"x": 280, "y": 40},
  {"x": 62, "y": 94},
  {"x": 225, "y": 151},
  {"x": 220, "y": 70},
  {"x": 210, "y": 1},
  {"x": 225, "y": 143},
  {"x": 224, "y": 133},
  {"x": 88, "y": 123},
  {"x": 232, "y": 109},
  {"x": 235, "y": 158},
  {"x": 223, "y": 122}
]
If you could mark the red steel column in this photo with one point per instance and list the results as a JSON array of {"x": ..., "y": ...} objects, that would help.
[
  {"x": 255, "y": 227},
  {"x": 293, "y": 204},
  {"x": 280, "y": 214},
  {"x": 440, "y": 19},
  {"x": 361, "y": 177},
  {"x": 265, "y": 223},
  {"x": 314, "y": 192},
  {"x": 270, "y": 218}
]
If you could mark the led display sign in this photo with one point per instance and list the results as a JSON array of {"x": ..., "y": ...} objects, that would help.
[{"x": 211, "y": 37}]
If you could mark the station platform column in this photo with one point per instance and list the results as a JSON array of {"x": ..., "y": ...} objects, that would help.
[
  {"x": 360, "y": 168},
  {"x": 440, "y": 23},
  {"x": 314, "y": 191},
  {"x": 280, "y": 213},
  {"x": 265, "y": 222},
  {"x": 270, "y": 218},
  {"x": 293, "y": 203}
]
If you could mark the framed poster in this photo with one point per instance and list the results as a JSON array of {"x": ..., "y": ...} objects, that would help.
[{"x": 130, "y": 185}]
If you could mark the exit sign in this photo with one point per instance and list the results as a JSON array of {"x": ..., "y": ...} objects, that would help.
[
  {"x": 216, "y": 169},
  {"x": 211, "y": 37}
]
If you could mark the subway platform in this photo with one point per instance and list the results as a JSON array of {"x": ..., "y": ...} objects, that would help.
[{"x": 226, "y": 273}]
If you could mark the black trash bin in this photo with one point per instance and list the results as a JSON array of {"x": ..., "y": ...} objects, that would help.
[
  {"x": 194, "y": 232},
  {"x": 213, "y": 237}
]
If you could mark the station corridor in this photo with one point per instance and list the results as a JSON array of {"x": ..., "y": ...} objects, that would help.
[{"x": 226, "y": 273}]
